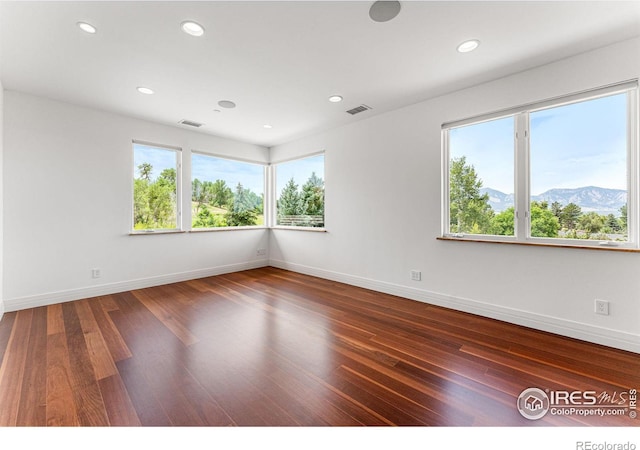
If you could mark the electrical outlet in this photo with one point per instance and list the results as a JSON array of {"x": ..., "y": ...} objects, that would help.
[
  {"x": 602, "y": 307},
  {"x": 416, "y": 275},
  {"x": 261, "y": 252},
  {"x": 95, "y": 273}
]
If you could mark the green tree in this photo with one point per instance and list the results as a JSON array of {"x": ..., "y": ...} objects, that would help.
[
  {"x": 289, "y": 203},
  {"x": 154, "y": 200},
  {"x": 469, "y": 211},
  {"x": 168, "y": 176},
  {"x": 241, "y": 218},
  {"x": 543, "y": 222},
  {"x": 207, "y": 219},
  {"x": 145, "y": 170},
  {"x": 241, "y": 199},
  {"x": 242, "y": 212},
  {"x": 556, "y": 209},
  {"x": 591, "y": 223},
  {"x": 219, "y": 194},
  {"x": 613, "y": 224},
  {"x": 570, "y": 215},
  {"x": 312, "y": 197},
  {"x": 623, "y": 218},
  {"x": 141, "y": 210},
  {"x": 162, "y": 204},
  {"x": 197, "y": 194},
  {"x": 503, "y": 223}
]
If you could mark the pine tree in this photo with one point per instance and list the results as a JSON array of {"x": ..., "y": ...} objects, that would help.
[
  {"x": 312, "y": 197},
  {"x": 469, "y": 211},
  {"x": 289, "y": 203},
  {"x": 570, "y": 215}
]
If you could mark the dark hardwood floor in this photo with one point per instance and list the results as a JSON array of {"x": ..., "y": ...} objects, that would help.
[{"x": 268, "y": 347}]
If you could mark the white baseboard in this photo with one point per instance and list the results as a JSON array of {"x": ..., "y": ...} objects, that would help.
[
  {"x": 51, "y": 298},
  {"x": 577, "y": 330},
  {"x": 1, "y": 308}
]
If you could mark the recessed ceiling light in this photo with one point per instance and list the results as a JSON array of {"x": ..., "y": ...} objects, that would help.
[
  {"x": 267, "y": 126},
  {"x": 192, "y": 28},
  {"x": 384, "y": 11},
  {"x": 226, "y": 104},
  {"x": 144, "y": 90},
  {"x": 87, "y": 27},
  {"x": 468, "y": 46},
  {"x": 335, "y": 98}
]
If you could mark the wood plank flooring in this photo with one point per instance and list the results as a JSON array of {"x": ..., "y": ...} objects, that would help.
[{"x": 268, "y": 347}]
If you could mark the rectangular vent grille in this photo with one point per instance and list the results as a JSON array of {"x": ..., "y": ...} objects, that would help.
[
  {"x": 191, "y": 123},
  {"x": 358, "y": 109}
]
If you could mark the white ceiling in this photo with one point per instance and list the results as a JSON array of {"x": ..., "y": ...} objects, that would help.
[{"x": 280, "y": 61}]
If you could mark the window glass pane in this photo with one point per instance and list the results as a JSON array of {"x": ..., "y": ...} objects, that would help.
[
  {"x": 300, "y": 192},
  {"x": 578, "y": 170},
  {"x": 226, "y": 193},
  {"x": 155, "y": 189},
  {"x": 481, "y": 178}
]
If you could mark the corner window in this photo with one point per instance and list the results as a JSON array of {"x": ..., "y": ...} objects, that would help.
[
  {"x": 156, "y": 187},
  {"x": 226, "y": 192},
  {"x": 560, "y": 172},
  {"x": 300, "y": 192}
]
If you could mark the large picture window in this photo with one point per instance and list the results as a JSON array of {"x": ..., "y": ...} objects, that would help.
[
  {"x": 226, "y": 192},
  {"x": 156, "y": 188},
  {"x": 300, "y": 192},
  {"x": 561, "y": 172}
]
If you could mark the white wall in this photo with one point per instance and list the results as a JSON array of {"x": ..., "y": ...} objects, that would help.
[
  {"x": 67, "y": 175},
  {"x": 383, "y": 216}
]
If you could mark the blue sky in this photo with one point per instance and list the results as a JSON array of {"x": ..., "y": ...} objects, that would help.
[
  {"x": 576, "y": 145},
  {"x": 205, "y": 168},
  {"x": 209, "y": 168},
  {"x": 159, "y": 158},
  {"x": 488, "y": 146},
  {"x": 300, "y": 170}
]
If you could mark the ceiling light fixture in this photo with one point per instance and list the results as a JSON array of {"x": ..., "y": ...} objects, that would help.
[
  {"x": 267, "y": 126},
  {"x": 144, "y": 90},
  {"x": 468, "y": 46},
  {"x": 226, "y": 104},
  {"x": 335, "y": 98},
  {"x": 87, "y": 27},
  {"x": 192, "y": 28},
  {"x": 384, "y": 11}
]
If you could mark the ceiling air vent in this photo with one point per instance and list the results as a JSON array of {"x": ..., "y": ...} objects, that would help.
[
  {"x": 191, "y": 123},
  {"x": 358, "y": 109}
]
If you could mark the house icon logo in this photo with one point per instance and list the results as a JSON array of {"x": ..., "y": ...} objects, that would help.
[{"x": 533, "y": 403}]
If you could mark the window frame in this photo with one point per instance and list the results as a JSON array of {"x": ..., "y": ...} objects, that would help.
[
  {"x": 273, "y": 194},
  {"x": 265, "y": 202},
  {"x": 178, "y": 159},
  {"x": 522, "y": 175}
]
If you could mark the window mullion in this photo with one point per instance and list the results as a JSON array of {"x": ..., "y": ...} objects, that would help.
[
  {"x": 179, "y": 200},
  {"x": 270, "y": 198},
  {"x": 522, "y": 215},
  {"x": 633, "y": 169},
  {"x": 445, "y": 183}
]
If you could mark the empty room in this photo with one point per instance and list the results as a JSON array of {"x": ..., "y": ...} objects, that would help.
[{"x": 320, "y": 214}]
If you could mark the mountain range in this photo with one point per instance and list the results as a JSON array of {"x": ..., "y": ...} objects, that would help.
[{"x": 590, "y": 198}]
